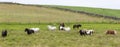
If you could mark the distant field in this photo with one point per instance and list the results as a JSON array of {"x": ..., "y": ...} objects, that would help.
[
  {"x": 31, "y": 14},
  {"x": 107, "y": 12},
  {"x": 45, "y": 38}
]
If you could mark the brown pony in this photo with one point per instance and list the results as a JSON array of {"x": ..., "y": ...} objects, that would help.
[
  {"x": 62, "y": 24},
  {"x": 113, "y": 32}
]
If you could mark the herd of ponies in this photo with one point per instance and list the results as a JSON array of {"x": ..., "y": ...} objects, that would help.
[{"x": 82, "y": 32}]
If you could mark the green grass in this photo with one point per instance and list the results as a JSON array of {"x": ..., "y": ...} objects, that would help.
[
  {"x": 45, "y": 38},
  {"x": 107, "y": 12},
  {"x": 15, "y": 18},
  {"x": 30, "y": 14}
]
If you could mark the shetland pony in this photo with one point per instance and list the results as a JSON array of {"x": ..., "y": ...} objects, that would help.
[
  {"x": 112, "y": 32},
  {"x": 4, "y": 33},
  {"x": 76, "y": 26}
]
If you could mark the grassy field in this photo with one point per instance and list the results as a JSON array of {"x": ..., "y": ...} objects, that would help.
[
  {"x": 108, "y": 12},
  {"x": 45, "y": 38},
  {"x": 15, "y": 18},
  {"x": 32, "y": 14}
]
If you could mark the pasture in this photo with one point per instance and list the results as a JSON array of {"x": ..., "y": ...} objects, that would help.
[
  {"x": 45, "y": 38},
  {"x": 15, "y": 18}
]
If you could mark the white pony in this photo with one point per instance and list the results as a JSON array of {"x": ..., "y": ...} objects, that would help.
[
  {"x": 89, "y": 32},
  {"x": 50, "y": 27},
  {"x": 67, "y": 28},
  {"x": 35, "y": 29},
  {"x": 61, "y": 28}
]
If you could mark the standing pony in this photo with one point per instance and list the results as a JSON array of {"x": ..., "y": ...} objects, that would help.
[
  {"x": 61, "y": 26},
  {"x": 86, "y": 32},
  {"x": 112, "y": 32},
  {"x": 66, "y": 29},
  {"x": 89, "y": 32},
  {"x": 83, "y": 32},
  {"x": 35, "y": 29},
  {"x": 76, "y": 26},
  {"x": 4, "y": 33},
  {"x": 50, "y": 27},
  {"x": 29, "y": 31}
]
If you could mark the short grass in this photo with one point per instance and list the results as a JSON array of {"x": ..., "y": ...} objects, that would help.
[
  {"x": 107, "y": 12},
  {"x": 32, "y": 14},
  {"x": 45, "y": 38}
]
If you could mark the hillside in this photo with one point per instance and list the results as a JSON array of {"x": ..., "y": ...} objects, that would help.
[
  {"x": 33, "y": 14},
  {"x": 107, "y": 12}
]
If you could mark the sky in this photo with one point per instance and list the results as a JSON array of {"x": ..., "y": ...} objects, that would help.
[{"x": 111, "y": 4}]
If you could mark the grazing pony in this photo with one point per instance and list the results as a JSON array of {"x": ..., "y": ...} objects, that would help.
[
  {"x": 61, "y": 26},
  {"x": 86, "y": 32},
  {"x": 89, "y": 32},
  {"x": 76, "y": 26},
  {"x": 66, "y": 28},
  {"x": 35, "y": 29},
  {"x": 82, "y": 32},
  {"x": 29, "y": 31},
  {"x": 50, "y": 27},
  {"x": 113, "y": 32},
  {"x": 4, "y": 33}
]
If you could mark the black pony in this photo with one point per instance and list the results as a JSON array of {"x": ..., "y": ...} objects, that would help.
[
  {"x": 82, "y": 32},
  {"x": 76, "y": 26},
  {"x": 4, "y": 33},
  {"x": 29, "y": 31}
]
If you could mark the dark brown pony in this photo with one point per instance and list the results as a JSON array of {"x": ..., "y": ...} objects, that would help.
[
  {"x": 82, "y": 32},
  {"x": 76, "y": 26},
  {"x": 113, "y": 32},
  {"x": 62, "y": 24},
  {"x": 4, "y": 33}
]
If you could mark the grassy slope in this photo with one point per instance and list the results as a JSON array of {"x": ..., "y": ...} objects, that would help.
[
  {"x": 31, "y": 14},
  {"x": 108, "y": 12},
  {"x": 18, "y": 38}
]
